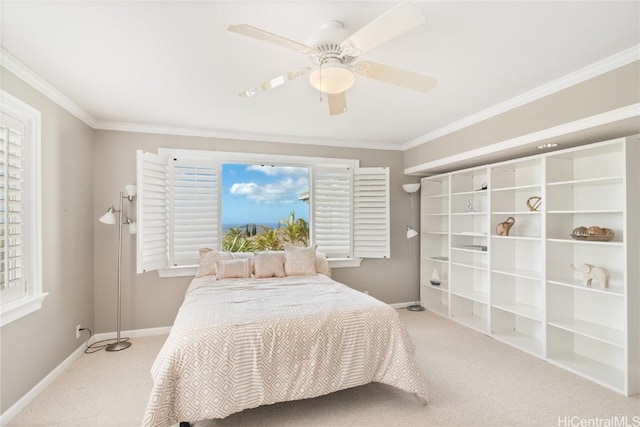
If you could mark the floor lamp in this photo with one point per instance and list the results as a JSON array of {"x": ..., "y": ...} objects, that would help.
[
  {"x": 110, "y": 219},
  {"x": 411, "y": 189}
]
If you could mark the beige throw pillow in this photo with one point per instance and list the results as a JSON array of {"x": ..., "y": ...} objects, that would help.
[
  {"x": 322, "y": 264},
  {"x": 233, "y": 269},
  {"x": 299, "y": 261},
  {"x": 244, "y": 255},
  {"x": 208, "y": 258},
  {"x": 269, "y": 264}
]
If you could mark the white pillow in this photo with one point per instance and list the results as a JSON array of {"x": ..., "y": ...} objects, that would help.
[
  {"x": 269, "y": 264},
  {"x": 243, "y": 255},
  {"x": 208, "y": 258},
  {"x": 322, "y": 264},
  {"x": 299, "y": 261},
  {"x": 233, "y": 269}
]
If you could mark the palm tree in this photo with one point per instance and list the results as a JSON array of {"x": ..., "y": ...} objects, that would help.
[
  {"x": 268, "y": 239},
  {"x": 302, "y": 228},
  {"x": 236, "y": 241},
  {"x": 295, "y": 231}
]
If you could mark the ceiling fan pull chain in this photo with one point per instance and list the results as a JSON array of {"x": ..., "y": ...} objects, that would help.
[{"x": 319, "y": 90}]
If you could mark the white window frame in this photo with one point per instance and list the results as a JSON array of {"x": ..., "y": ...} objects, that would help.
[
  {"x": 34, "y": 296},
  {"x": 281, "y": 160}
]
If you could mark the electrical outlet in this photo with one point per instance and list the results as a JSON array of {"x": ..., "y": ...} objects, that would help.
[{"x": 78, "y": 327}]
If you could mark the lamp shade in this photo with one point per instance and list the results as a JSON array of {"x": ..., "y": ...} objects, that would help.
[
  {"x": 130, "y": 190},
  {"x": 131, "y": 225},
  {"x": 411, "y": 233},
  {"x": 108, "y": 218},
  {"x": 332, "y": 78},
  {"x": 411, "y": 188}
]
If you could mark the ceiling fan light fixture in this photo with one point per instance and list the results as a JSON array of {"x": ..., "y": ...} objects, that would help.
[{"x": 332, "y": 78}]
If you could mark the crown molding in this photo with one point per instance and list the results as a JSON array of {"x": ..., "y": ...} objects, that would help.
[
  {"x": 210, "y": 133},
  {"x": 596, "y": 69},
  {"x": 12, "y": 64},
  {"x": 628, "y": 112}
]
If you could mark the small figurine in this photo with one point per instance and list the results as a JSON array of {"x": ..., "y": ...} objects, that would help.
[
  {"x": 590, "y": 272},
  {"x": 470, "y": 206},
  {"x": 503, "y": 228}
]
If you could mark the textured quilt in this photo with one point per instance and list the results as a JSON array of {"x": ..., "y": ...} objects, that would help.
[{"x": 241, "y": 343}]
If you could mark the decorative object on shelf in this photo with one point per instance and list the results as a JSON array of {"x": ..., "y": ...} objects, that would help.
[
  {"x": 503, "y": 228},
  {"x": 435, "y": 278},
  {"x": 533, "y": 203},
  {"x": 469, "y": 207},
  {"x": 593, "y": 233},
  {"x": 410, "y": 189},
  {"x": 590, "y": 273},
  {"x": 483, "y": 187},
  {"x": 109, "y": 218}
]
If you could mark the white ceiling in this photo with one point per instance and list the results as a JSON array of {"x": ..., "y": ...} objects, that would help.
[{"x": 173, "y": 65}]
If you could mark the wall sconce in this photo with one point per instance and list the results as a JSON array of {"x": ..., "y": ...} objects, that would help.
[
  {"x": 109, "y": 218},
  {"x": 411, "y": 189}
]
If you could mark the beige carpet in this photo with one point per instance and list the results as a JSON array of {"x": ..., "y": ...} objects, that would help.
[{"x": 472, "y": 380}]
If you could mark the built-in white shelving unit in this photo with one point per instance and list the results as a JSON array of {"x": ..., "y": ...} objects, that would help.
[{"x": 521, "y": 288}]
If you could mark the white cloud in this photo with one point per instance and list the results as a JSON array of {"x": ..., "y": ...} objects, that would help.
[
  {"x": 285, "y": 190},
  {"x": 244, "y": 188}
]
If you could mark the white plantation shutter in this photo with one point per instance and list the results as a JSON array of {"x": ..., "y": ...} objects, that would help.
[
  {"x": 331, "y": 194},
  {"x": 152, "y": 212},
  {"x": 20, "y": 210},
  {"x": 371, "y": 213},
  {"x": 193, "y": 208},
  {"x": 12, "y": 210}
]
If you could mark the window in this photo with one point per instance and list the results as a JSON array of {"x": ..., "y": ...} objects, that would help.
[
  {"x": 180, "y": 206},
  {"x": 264, "y": 207},
  {"x": 20, "y": 234}
]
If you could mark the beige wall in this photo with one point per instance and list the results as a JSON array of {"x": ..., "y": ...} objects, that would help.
[
  {"x": 149, "y": 301},
  {"x": 34, "y": 345},
  {"x": 609, "y": 91}
]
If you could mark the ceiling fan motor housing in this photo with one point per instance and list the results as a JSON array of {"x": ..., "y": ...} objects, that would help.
[{"x": 327, "y": 41}]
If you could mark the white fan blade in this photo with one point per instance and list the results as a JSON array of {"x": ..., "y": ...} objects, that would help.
[
  {"x": 395, "y": 76},
  {"x": 257, "y": 33},
  {"x": 398, "y": 20},
  {"x": 278, "y": 81},
  {"x": 337, "y": 103}
]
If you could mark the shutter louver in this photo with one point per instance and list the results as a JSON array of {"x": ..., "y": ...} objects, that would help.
[
  {"x": 331, "y": 201},
  {"x": 194, "y": 209},
  {"x": 152, "y": 212},
  {"x": 371, "y": 213},
  {"x": 12, "y": 212}
]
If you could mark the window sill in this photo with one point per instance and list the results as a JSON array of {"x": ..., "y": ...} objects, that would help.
[
  {"x": 344, "y": 262},
  {"x": 20, "y": 308},
  {"x": 190, "y": 270}
]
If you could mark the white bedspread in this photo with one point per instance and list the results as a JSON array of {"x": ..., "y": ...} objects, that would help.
[{"x": 242, "y": 343}]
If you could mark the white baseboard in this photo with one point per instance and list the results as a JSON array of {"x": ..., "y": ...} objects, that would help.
[
  {"x": 135, "y": 333},
  {"x": 22, "y": 403}
]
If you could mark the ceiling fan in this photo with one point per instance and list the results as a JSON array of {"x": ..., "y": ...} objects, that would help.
[{"x": 333, "y": 52}]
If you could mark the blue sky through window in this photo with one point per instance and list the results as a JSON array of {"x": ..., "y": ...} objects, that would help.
[{"x": 262, "y": 195}]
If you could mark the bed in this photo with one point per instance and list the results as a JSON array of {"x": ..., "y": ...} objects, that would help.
[{"x": 241, "y": 343}]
